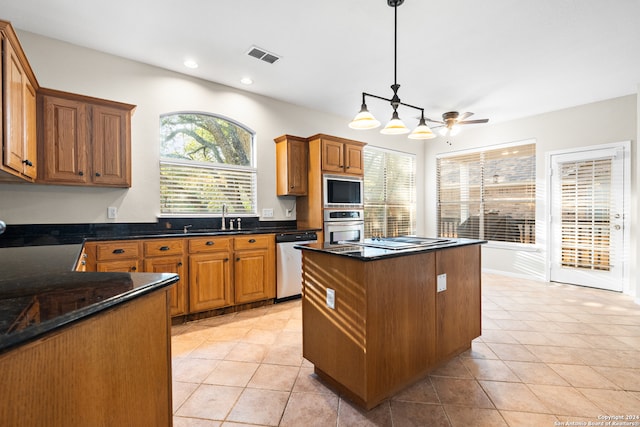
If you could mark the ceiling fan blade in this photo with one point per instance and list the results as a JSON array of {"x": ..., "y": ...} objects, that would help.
[
  {"x": 470, "y": 122},
  {"x": 464, "y": 116},
  {"x": 433, "y": 121}
]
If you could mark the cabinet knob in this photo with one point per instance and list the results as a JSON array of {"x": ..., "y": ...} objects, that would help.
[
  {"x": 98, "y": 174},
  {"x": 118, "y": 251},
  {"x": 180, "y": 264},
  {"x": 252, "y": 240},
  {"x": 209, "y": 243},
  {"x": 238, "y": 259},
  {"x": 27, "y": 162},
  {"x": 164, "y": 248},
  {"x": 134, "y": 268},
  {"x": 81, "y": 173},
  {"x": 226, "y": 259}
]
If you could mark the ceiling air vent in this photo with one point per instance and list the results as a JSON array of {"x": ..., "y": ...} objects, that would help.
[{"x": 262, "y": 54}]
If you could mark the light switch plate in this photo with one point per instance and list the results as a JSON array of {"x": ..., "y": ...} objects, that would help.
[
  {"x": 112, "y": 212},
  {"x": 267, "y": 213},
  {"x": 442, "y": 282},
  {"x": 331, "y": 298}
]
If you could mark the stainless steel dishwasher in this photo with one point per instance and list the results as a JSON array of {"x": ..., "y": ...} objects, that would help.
[{"x": 289, "y": 263}]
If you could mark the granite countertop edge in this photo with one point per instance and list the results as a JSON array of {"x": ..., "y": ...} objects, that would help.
[
  {"x": 362, "y": 253},
  {"x": 150, "y": 282}
]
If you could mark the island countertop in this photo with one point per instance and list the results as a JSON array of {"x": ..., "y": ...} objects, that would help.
[
  {"x": 369, "y": 251},
  {"x": 39, "y": 292}
]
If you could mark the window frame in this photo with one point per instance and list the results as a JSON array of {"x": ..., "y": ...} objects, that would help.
[
  {"x": 253, "y": 168},
  {"x": 527, "y": 246}
]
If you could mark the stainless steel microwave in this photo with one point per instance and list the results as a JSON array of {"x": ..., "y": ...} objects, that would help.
[{"x": 340, "y": 191}]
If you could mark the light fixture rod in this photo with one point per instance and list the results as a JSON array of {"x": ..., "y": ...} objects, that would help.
[{"x": 389, "y": 100}]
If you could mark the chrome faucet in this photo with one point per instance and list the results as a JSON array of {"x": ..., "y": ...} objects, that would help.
[
  {"x": 224, "y": 209},
  {"x": 186, "y": 228}
]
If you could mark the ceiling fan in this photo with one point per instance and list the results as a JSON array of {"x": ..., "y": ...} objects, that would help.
[{"x": 451, "y": 122}]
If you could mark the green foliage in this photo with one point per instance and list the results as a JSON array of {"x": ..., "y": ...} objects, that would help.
[{"x": 204, "y": 138}]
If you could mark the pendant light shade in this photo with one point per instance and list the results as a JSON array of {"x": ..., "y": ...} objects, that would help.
[
  {"x": 364, "y": 120},
  {"x": 422, "y": 131},
  {"x": 395, "y": 126}
]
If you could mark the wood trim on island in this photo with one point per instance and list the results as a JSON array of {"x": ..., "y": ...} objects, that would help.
[{"x": 390, "y": 327}]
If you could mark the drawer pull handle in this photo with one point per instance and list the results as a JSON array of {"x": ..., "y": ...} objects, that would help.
[
  {"x": 252, "y": 240},
  {"x": 118, "y": 251},
  {"x": 164, "y": 248},
  {"x": 210, "y": 243}
]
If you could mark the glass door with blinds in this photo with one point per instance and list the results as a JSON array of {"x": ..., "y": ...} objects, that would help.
[{"x": 587, "y": 218}]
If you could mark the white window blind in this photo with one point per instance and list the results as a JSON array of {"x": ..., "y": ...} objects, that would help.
[
  {"x": 488, "y": 194},
  {"x": 198, "y": 189},
  {"x": 586, "y": 223},
  {"x": 389, "y": 193}
]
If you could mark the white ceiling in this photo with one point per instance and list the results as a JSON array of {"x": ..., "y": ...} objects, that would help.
[{"x": 501, "y": 59}]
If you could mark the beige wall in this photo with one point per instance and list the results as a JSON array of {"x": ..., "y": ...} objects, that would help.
[
  {"x": 156, "y": 91},
  {"x": 610, "y": 121}
]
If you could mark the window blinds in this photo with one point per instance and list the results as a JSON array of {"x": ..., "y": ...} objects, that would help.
[
  {"x": 192, "y": 189},
  {"x": 488, "y": 194},
  {"x": 390, "y": 193}
]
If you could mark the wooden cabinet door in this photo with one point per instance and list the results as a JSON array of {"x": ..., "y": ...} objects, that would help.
[
  {"x": 19, "y": 111},
  {"x": 178, "y": 293},
  {"x": 292, "y": 156},
  {"x": 332, "y": 156},
  {"x": 30, "y": 132},
  {"x": 253, "y": 270},
  {"x": 111, "y": 146},
  {"x": 354, "y": 162},
  {"x": 209, "y": 281},
  {"x": 64, "y": 142}
]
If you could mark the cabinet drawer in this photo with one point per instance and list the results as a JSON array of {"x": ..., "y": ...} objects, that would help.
[
  {"x": 117, "y": 250},
  {"x": 163, "y": 247},
  {"x": 209, "y": 244},
  {"x": 253, "y": 241}
]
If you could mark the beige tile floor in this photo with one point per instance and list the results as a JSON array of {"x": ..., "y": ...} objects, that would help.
[{"x": 549, "y": 354}]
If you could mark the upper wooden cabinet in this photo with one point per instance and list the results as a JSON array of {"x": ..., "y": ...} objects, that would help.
[
  {"x": 342, "y": 156},
  {"x": 18, "y": 107},
  {"x": 84, "y": 141},
  {"x": 292, "y": 157}
]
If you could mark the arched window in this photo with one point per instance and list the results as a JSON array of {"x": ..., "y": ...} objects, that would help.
[{"x": 206, "y": 161}]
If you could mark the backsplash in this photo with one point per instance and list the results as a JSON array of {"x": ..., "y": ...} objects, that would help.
[{"x": 63, "y": 234}]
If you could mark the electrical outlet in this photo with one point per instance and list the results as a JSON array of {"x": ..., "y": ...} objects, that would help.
[
  {"x": 112, "y": 212},
  {"x": 267, "y": 213},
  {"x": 442, "y": 282},
  {"x": 288, "y": 212},
  {"x": 331, "y": 298}
]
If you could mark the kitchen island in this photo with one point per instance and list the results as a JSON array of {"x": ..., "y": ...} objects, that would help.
[
  {"x": 376, "y": 320},
  {"x": 82, "y": 349}
]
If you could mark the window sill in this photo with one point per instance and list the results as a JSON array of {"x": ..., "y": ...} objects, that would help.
[{"x": 513, "y": 246}]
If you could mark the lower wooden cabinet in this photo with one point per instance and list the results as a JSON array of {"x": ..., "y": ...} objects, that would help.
[
  {"x": 254, "y": 268},
  {"x": 215, "y": 272}
]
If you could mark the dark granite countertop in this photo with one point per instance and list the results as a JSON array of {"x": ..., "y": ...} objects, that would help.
[
  {"x": 39, "y": 292},
  {"x": 367, "y": 253}
]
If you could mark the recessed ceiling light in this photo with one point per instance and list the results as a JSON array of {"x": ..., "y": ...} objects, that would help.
[
  {"x": 190, "y": 63},
  {"x": 246, "y": 80}
]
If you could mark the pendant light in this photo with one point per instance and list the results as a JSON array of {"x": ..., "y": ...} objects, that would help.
[{"x": 365, "y": 120}]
